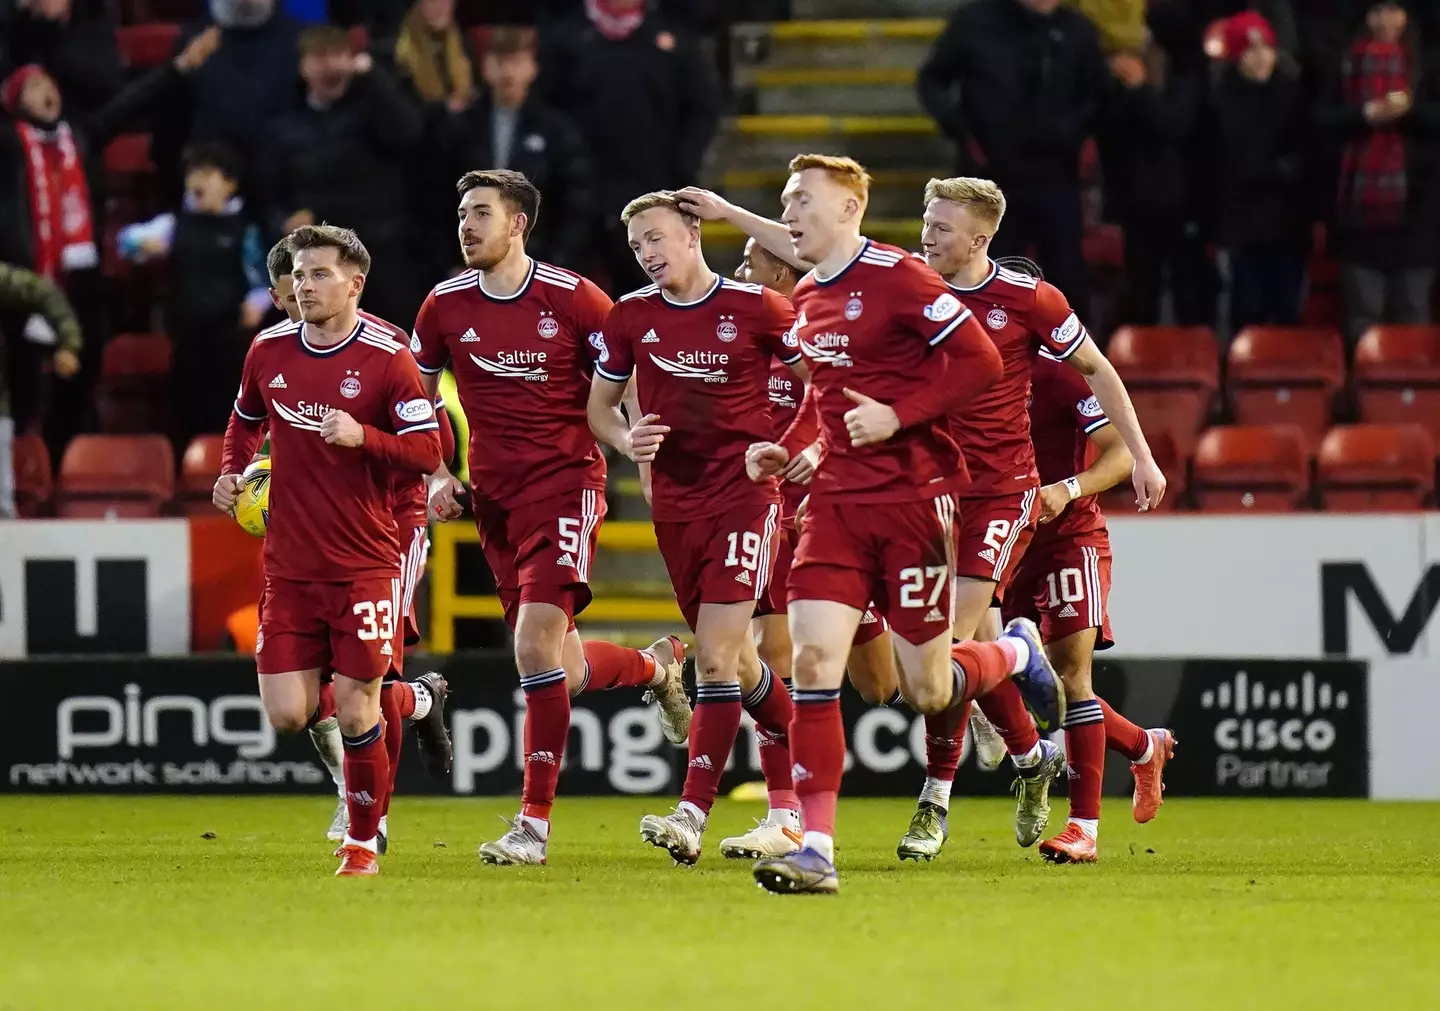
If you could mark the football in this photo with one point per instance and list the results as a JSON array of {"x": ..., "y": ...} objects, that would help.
[{"x": 252, "y": 508}]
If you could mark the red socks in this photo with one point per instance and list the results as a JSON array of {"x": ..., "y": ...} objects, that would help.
[
  {"x": 367, "y": 781},
  {"x": 326, "y": 708},
  {"x": 986, "y": 665},
  {"x": 770, "y": 707},
  {"x": 1122, "y": 735},
  {"x": 404, "y": 698},
  {"x": 1085, "y": 757},
  {"x": 1005, "y": 708},
  {"x": 817, "y": 745},
  {"x": 547, "y": 725},
  {"x": 712, "y": 735},
  {"x": 394, "y": 725},
  {"x": 944, "y": 740},
  {"x": 610, "y": 666}
]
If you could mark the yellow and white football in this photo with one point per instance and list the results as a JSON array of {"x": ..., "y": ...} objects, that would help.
[{"x": 252, "y": 508}]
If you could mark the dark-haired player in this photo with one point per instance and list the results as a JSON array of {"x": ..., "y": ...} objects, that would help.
[
  {"x": 518, "y": 335},
  {"x": 347, "y": 409},
  {"x": 421, "y": 701},
  {"x": 1064, "y": 582},
  {"x": 699, "y": 347}
]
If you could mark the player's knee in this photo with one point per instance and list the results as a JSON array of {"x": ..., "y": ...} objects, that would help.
[
  {"x": 871, "y": 690},
  {"x": 534, "y": 654},
  {"x": 715, "y": 665},
  {"x": 928, "y": 699},
  {"x": 814, "y": 667},
  {"x": 286, "y": 718}
]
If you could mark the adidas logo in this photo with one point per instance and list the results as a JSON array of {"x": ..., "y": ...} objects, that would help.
[
  {"x": 1068, "y": 611},
  {"x": 989, "y": 555},
  {"x": 702, "y": 762},
  {"x": 934, "y": 615},
  {"x": 743, "y": 578},
  {"x": 386, "y": 649},
  {"x": 545, "y": 757},
  {"x": 651, "y": 337},
  {"x": 566, "y": 560},
  {"x": 278, "y": 383},
  {"x": 361, "y": 797},
  {"x": 469, "y": 336}
]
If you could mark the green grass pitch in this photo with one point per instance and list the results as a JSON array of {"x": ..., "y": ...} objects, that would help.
[{"x": 124, "y": 903}]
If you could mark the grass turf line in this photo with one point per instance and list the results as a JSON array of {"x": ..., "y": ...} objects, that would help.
[{"x": 120, "y": 903}]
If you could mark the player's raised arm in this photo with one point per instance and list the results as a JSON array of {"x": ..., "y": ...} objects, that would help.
[
  {"x": 773, "y": 236},
  {"x": 243, "y": 433},
  {"x": 1070, "y": 342}
]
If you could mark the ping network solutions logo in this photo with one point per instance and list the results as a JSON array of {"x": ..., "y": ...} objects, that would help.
[{"x": 1277, "y": 736}]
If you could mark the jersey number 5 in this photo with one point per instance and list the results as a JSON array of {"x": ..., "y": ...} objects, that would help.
[{"x": 377, "y": 620}]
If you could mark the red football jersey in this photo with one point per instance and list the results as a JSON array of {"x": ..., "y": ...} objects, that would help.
[
  {"x": 1025, "y": 317},
  {"x": 331, "y": 515},
  {"x": 786, "y": 393},
  {"x": 1063, "y": 413},
  {"x": 704, "y": 368},
  {"x": 522, "y": 368},
  {"x": 409, "y": 495},
  {"x": 873, "y": 327}
]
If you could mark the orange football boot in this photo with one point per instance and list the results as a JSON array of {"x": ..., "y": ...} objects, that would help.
[
  {"x": 1149, "y": 785},
  {"x": 1072, "y": 846},
  {"x": 357, "y": 861}
]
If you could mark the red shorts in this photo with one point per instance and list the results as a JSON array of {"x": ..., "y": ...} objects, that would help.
[
  {"x": 899, "y": 555},
  {"x": 773, "y": 601},
  {"x": 1065, "y": 585},
  {"x": 414, "y": 549},
  {"x": 994, "y": 533},
  {"x": 872, "y": 627},
  {"x": 353, "y": 629},
  {"x": 541, "y": 552},
  {"x": 723, "y": 559}
]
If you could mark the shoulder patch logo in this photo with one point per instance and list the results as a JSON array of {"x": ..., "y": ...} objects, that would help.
[
  {"x": 943, "y": 308},
  {"x": 414, "y": 343},
  {"x": 597, "y": 341},
  {"x": 1090, "y": 408},
  {"x": 415, "y": 410},
  {"x": 1067, "y": 331}
]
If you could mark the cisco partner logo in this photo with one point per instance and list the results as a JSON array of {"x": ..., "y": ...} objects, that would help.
[{"x": 1280, "y": 727}]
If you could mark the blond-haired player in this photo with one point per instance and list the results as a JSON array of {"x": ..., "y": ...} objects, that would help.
[{"x": 892, "y": 352}]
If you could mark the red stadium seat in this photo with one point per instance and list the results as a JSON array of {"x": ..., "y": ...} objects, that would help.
[
  {"x": 198, "y": 470},
  {"x": 1397, "y": 376},
  {"x": 1103, "y": 246},
  {"x": 1286, "y": 375},
  {"x": 1172, "y": 374},
  {"x": 1251, "y": 468},
  {"x": 1120, "y": 500},
  {"x": 115, "y": 475},
  {"x": 132, "y": 394},
  {"x": 34, "y": 482},
  {"x": 146, "y": 46},
  {"x": 359, "y": 38},
  {"x": 128, "y": 155},
  {"x": 1376, "y": 468}
]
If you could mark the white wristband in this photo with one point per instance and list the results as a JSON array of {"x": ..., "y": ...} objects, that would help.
[{"x": 1072, "y": 486}]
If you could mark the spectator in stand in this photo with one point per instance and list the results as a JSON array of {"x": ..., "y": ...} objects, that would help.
[
  {"x": 344, "y": 158},
  {"x": 1017, "y": 84},
  {"x": 1257, "y": 159},
  {"x": 646, "y": 98},
  {"x": 47, "y": 319},
  {"x": 1385, "y": 113},
  {"x": 1148, "y": 116},
  {"x": 235, "y": 97},
  {"x": 48, "y": 218},
  {"x": 430, "y": 55},
  {"x": 77, "y": 50},
  {"x": 219, "y": 292},
  {"x": 509, "y": 127}
]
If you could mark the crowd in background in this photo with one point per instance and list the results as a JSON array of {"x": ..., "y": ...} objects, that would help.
[{"x": 1225, "y": 132}]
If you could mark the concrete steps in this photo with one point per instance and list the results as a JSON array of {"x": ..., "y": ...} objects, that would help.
[
  {"x": 872, "y": 8},
  {"x": 879, "y": 142},
  {"x": 858, "y": 45}
]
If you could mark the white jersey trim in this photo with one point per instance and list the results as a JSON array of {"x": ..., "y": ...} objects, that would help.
[{"x": 645, "y": 292}]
